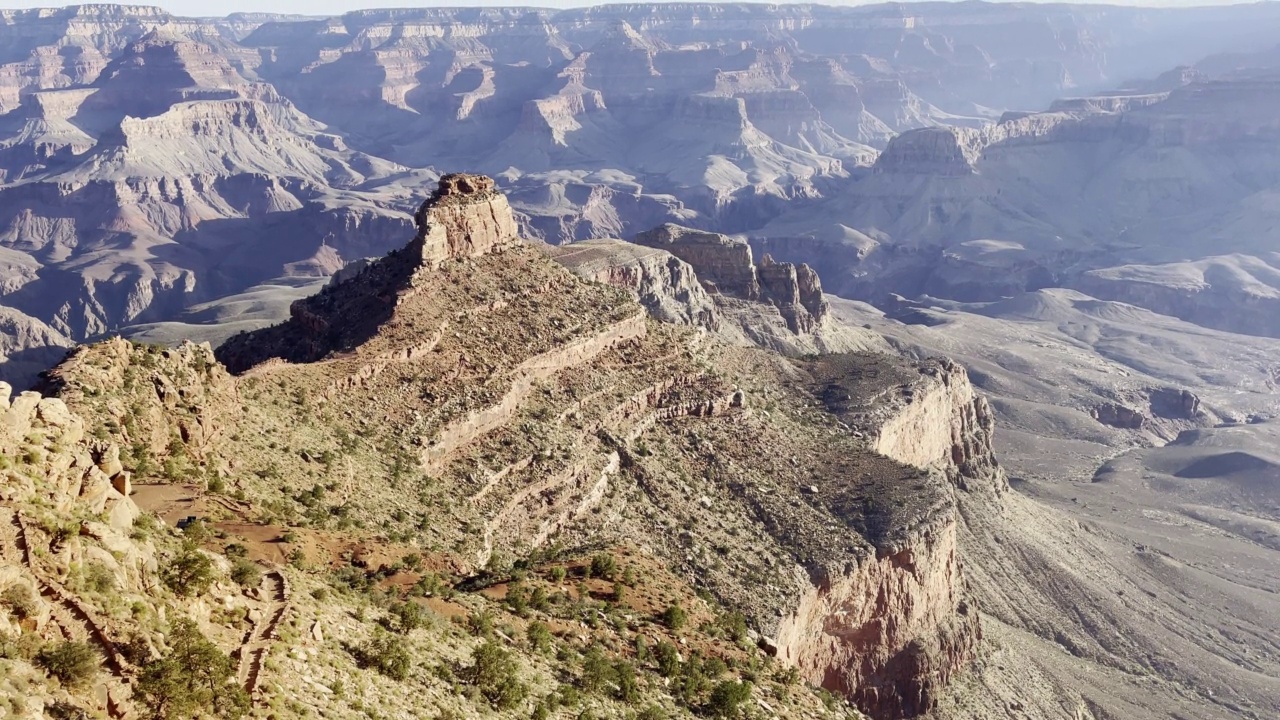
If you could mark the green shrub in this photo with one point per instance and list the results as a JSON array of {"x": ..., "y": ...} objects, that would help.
[
  {"x": 714, "y": 667},
  {"x": 481, "y": 623},
  {"x": 603, "y": 566},
  {"x": 727, "y": 698},
  {"x": 409, "y": 616},
  {"x": 624, "y": 675},
  {"x": 735, "y": 625},
  {"x": 538, "y": 600},
  {"x": 653, "y": 712},
  {"x": 539, "y": 636},
  {"x": 17, "y": 597},
  {"x": 385, "y": 653},
  {"x": 674, "y": 617},
  {"x": 72, "y": 663},
  {"x": 597, "y": 673},
  {"x": 189, "y": 573},
  {"x": 194, "y": 678},
  {"x": 517, "y": 599},
  {"x": 668, "y": 659},
  {"x": 495, "y": 673},
  {"x": 96, "y": 578},
  {"x": 246, "y": 573}
]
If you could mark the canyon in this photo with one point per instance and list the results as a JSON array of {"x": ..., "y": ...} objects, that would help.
[
  {"x": 167, "y": 177},
  {"x": 750, "y": 299}
]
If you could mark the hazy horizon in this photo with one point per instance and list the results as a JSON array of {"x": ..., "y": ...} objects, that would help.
[{"x": 203, "y": 8}]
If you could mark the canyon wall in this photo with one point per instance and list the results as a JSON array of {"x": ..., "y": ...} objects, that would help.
[
  {"x": 665, "y": 285},
  {"x": 892, "y": 631}
]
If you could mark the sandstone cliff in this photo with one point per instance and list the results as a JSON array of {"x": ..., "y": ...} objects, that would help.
[
  {"x": 666, "y": 285},
  {"x": 726, "y": 266}
]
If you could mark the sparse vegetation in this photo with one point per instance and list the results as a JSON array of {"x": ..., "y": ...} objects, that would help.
[{"x": 72, "y": 663}]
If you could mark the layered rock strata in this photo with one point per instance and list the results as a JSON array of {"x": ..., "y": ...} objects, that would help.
[
  {"x": 894, "y": 630},
  {"x": 465, "y": 217},
  {"x": 726, "y": 266},
  {"x": 665, "y": 285},
  {"x": 563, "y": 414}
]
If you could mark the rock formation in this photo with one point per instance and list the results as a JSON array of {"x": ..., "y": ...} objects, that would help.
[
  {"x": 880, "y": 611},
  {"x": 464, "y": 217},
  {"x": 665, "y": 285},
  {"x": 726, "y": 267}
]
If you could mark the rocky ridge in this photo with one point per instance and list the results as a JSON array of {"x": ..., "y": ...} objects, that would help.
[
  {"x": 726, "y": 266},
  {"x": 182, "y": 147},
  {"x": 604, "y": 393}
]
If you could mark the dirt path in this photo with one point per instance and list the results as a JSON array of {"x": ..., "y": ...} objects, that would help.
[
  {"x": 257, "y": 644},
  {"x": 75, "y": 620}
]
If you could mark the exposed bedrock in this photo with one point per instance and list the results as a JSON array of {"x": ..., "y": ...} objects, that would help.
[
  {"x": 665, "y": 285},
  {"x": 726, "y": 266},
  {"x": 890, "y": 634},
  {"x": 464, "y": 217},
  {"x": 893, "y": 631}
]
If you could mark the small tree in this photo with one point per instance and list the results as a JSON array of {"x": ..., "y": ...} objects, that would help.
[
  {"x": 409, "y": 616},
  {"x": 624, "y": 674},
  {"x": 495, "y": 673},
  {"x": 194, "y": 677},
  {"x": 190, "y": 573},
  {"x": 653, "y": 712},
  {"x": 73, "y": 663},
  {"x": 385, "y": 653},
  {"x": 668, "y": 659},
  {"x": 539, "y": 636},
  {"x": 597, "y": 673},
  {"x": 727, "y": 698}
]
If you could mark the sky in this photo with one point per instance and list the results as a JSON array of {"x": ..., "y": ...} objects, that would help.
[{"x": 218, "y": 8}]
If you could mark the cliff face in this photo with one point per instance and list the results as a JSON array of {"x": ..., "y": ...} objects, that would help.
[
  {"x": 892, "y": 632},
  {"x": 943, "y": 423},
  {"x": 722, "y": 264},
  {"x": 464, "y": 217},
  {"x": 890, "y": 635},
  {"x": 665, "y": 285},
  {"x": 726, "y": 266}
]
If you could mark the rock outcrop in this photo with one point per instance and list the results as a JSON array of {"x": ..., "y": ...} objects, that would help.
[
  {"x": 465, "y": 217},
  {"x": 726, "y": 266},
  {"x": 664, "y": 284},
  {"x": 893, "y": 632},
  {"x": 59, "y": 463}
]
